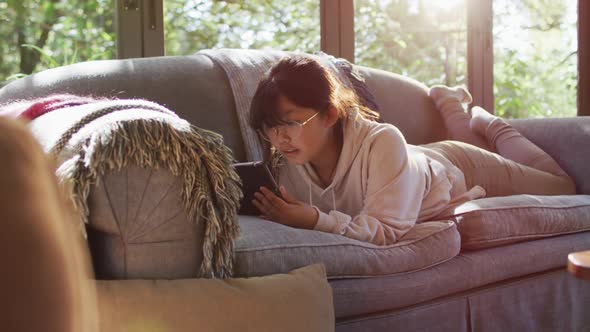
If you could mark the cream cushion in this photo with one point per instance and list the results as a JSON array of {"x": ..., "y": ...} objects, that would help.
[
  {"x": 495, "y": 221},
  {"x": 297, "y": 301}
]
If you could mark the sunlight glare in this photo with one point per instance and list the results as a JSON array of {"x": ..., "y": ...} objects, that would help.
[{"x": 445, "y": 5}]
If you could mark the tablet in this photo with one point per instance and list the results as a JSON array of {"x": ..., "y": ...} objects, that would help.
[{"x": 254, "y": 175}]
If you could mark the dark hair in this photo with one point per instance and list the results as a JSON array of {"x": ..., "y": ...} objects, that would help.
[{"x": 306, "y": 83}]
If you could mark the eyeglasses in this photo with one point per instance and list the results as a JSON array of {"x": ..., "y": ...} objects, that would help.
[{"x": 292, "y": 129}]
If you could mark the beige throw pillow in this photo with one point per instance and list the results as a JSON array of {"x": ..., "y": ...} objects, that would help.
[{"x": 297, "y": 301}]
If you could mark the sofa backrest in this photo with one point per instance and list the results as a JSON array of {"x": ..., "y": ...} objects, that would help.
[{"x": 198, "y": 90}]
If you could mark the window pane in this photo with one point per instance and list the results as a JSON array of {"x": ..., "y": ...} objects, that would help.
[
  {"x": 425, "y": 40},
  {"x": 37, "y": 35},
  {"x": 199, "y": 24},
  {"x": 535, "y": 60}
]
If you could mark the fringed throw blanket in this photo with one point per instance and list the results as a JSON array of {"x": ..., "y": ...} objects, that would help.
[
  {"x": 92, "y": 138},
  {"x": 244, "y": 69}
]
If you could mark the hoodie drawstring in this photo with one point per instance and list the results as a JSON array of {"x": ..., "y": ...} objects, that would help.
[
  {"x": 310, "y": 198},
  {"x": 333, "y": 200}
]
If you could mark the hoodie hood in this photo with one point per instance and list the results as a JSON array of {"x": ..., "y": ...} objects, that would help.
[{"x": 354, "y": 131}]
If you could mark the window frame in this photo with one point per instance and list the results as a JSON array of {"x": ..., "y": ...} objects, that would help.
[
  {"x": 140, "y": 28},
  {"x": 337, "y": 28},
  {"x": 583, "y": 58},
  {"x": 480, "y": 53},
  {"x": 140, "y": 33}
]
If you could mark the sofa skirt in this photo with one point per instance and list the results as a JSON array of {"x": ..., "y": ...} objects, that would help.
[{"x": 548, "y": 301}]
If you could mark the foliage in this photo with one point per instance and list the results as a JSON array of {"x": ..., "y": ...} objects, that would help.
[
  {"x": 412, "y": 37},
  {"x": 38, "y": 35},
  {"x": 536, "y": 87},
  {"x": 535, "y": 72},
  {"x": 198, "y": 24},
  {"x": 535, "y": 77}
]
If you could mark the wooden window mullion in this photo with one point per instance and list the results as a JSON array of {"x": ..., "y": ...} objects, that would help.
[
  {"x": 337, "y": 28},
  {"x": 583, "y": 57},
  {"x": 480, "y": 53}
]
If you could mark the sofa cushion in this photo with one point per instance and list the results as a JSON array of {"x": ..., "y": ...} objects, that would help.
[
  {"x": 495, "y": 221},
  {"x": 298, "y": 301},
  {"x": 470, "y": 270},
  {"x": 266, "y": 247}
]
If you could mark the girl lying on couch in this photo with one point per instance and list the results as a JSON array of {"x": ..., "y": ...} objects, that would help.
[{"x": 342, "y": 172}]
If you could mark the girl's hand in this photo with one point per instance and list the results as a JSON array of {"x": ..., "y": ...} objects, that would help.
[{"x": 287, "y": 210}]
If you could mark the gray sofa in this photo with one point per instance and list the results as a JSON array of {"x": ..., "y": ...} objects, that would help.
[{"x": 428, "y": 282}]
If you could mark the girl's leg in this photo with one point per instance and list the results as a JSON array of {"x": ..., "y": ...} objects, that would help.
[
  {"x": 500, "y": 176},
  {"x": 509, "y": 143},
  {"x": 449, "y": 102}
]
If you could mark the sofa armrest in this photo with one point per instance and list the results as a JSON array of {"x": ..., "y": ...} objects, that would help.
[
  {"x": 567, "y": 140},
  {"x": 138, "y": 227}
]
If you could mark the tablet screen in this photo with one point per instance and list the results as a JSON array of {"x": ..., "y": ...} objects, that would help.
[{"x": 253, "y": 175}]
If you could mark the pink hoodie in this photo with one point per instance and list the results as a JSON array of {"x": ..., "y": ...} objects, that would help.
[{"x": 382, "y": 186}]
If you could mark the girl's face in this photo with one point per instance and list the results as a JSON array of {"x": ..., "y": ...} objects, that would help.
[{"x": 305, "y": 143}]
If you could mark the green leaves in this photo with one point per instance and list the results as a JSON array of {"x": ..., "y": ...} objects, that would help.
[
  {"x": 535, "y": 71},
  {"x": 47, "y": 58},
  {"x": 53, "y": 33},
  {"x": 413, "y": 40},
  {"x": 197, "y": 24},
  {"x": 535, "y": 78}
]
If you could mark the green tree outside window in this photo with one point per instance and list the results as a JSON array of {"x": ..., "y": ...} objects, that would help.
[{"x": 423, "y": 39}]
